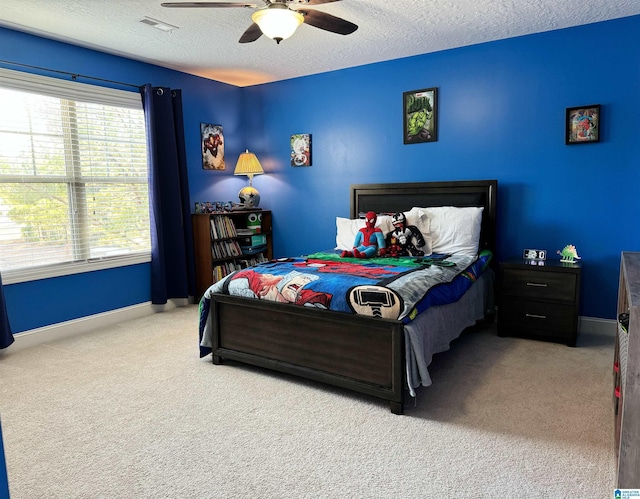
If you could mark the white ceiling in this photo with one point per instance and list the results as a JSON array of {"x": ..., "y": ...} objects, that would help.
[{"x": 206, "y": 41}]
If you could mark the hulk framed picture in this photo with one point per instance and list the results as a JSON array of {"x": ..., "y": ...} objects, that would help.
[{"x": 420, "y": 115}]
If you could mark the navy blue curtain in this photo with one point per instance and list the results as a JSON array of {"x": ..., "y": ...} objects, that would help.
[
  {"x": 172, "y": 260},
  {"x": 6, "y": 336}
]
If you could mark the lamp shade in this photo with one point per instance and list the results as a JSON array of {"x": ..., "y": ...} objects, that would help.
[
  {"x": 278, "y": 22},
  {"x": 248, "y": 164}
]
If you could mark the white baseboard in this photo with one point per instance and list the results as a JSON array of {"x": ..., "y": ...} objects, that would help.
[
  {"x": 81, "y": 325},
  {"x": 596, "y": 325}
]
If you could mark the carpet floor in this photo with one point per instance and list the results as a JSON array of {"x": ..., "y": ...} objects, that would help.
[{"x": 130, "y": 411}]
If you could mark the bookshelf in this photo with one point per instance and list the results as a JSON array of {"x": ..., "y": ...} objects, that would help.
[{"x": 227, "y": 241}]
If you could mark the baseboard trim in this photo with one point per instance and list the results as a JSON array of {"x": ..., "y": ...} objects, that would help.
[
  {"x": 81, "y": 325},
  {"x": 596, "y": 325}
]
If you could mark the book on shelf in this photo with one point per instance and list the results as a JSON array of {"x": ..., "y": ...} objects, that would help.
[
  {"x": 250, "y": 262},
  {"x": 224, "y": 269},
  {"x": 225, "y": 249},
  {"x": 222, "y": 227}
]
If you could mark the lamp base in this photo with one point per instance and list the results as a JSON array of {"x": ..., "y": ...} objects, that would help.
[{"x": 249, "y": 197}]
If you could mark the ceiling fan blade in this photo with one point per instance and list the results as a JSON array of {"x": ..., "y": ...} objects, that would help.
[
  {"x": 208, "y": 5},
  {"x": 327, "y": 22},
  {"x": 251, "y": 35},
  {"x": 318, "y": 2}
]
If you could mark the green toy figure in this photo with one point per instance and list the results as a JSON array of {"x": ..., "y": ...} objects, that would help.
[
  {"x": 254, "y": 222},
  {"x": 569, "y": 254}
]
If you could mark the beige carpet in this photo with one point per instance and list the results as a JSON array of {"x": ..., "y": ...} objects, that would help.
[{"x": 130, "y": 411}]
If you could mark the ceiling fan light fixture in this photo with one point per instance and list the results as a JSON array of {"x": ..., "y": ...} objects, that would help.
[{"x": 278, "y": 22}]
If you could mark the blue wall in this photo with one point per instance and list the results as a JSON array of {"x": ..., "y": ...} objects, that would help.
[
  {"x": 502, "y": 111},
  {"x": 502, "y": 115}
]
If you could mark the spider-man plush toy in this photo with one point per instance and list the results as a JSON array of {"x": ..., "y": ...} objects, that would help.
[{"x": 368, "y": 239}]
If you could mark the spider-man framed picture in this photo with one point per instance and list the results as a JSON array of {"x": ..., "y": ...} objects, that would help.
[{"x": 583, "y": 124}]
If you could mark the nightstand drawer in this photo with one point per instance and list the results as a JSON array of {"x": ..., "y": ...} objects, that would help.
[
  {"x": 553, "y": 286},
  {"x": 521, "y": 313}
]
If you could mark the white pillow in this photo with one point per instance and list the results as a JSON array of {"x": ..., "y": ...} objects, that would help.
[
  {"x": 348, "y": 228},
  {"x": 454, "y": 230}
]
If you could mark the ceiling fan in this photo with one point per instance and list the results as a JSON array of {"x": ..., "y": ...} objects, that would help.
[{"x": 279, "y": 19}]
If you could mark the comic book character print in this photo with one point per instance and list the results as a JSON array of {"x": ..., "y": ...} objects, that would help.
[
  {"x": 354, "y": 269},
  {"x": 288, "y": 288}
]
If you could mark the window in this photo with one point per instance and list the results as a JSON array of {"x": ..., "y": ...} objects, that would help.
[{"x": 73, "y": 178}]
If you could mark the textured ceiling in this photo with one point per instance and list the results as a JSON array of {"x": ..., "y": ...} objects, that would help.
[{"x": 206, "y": 41}]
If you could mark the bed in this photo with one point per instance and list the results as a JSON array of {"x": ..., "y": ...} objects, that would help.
[{"x": 370, "y": 353}]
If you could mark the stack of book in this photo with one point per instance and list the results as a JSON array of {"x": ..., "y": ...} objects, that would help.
[
  {"x": 222, "y": 228},
  {"x": 225, "y": 249}
]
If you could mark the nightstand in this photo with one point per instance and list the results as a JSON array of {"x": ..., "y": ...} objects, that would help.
[{"x": 539, "y": 301}]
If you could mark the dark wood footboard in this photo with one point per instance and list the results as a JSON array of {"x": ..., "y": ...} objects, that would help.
[{"x": 359, "y": 353}]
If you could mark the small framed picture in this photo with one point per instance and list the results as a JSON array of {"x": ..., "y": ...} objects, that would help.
[
  {"x": 301, "y": 149},
  {"x": 583, "y": 124},
  {"x": 420, "y": 115}
]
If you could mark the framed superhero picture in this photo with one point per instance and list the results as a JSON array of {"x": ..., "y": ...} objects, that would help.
[
  {"x": 582, "y": 124},
  {"x": 212, "y": 140},
  {"x": 301, "y": 149},
  {"x": 420, "y": 115}
]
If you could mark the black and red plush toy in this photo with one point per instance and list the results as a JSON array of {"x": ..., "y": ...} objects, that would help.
[{"x": 400, "y": 242}]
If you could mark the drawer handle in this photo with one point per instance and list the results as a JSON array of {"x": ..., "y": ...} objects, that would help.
[
  {"x": 537, "y": 284},
  {"x": 535, "y": 316}
]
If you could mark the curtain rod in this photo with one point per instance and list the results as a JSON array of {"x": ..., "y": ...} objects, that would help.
[{"x": 74, "y": 76}]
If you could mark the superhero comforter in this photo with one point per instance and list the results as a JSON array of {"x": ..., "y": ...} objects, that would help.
[{"x": 392, "y": 288}]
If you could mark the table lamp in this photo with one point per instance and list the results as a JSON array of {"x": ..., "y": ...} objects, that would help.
[{"x": 248, "y": 165}]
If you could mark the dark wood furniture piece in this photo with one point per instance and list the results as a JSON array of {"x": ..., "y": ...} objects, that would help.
[
  {"x": 359, "y": 353},
  {"x": 539, "y": 301},
  {"x": 627, "y": 375},
  {"x": 207, "y": 259}
]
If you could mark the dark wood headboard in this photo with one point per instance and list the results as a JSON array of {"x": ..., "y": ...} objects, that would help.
[{"x": 391, "y": 198}]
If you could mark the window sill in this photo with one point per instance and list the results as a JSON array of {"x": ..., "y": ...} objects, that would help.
[{"x": 60, "y": 270}]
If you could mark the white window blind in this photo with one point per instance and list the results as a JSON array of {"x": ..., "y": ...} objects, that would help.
[{"x": 73, "y": 177}]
